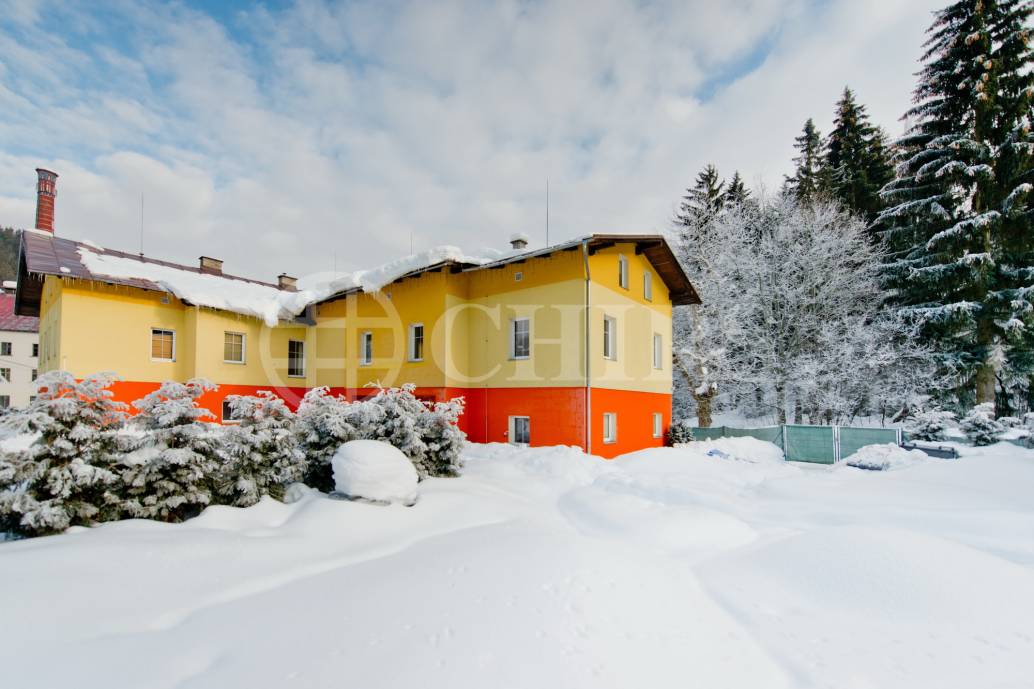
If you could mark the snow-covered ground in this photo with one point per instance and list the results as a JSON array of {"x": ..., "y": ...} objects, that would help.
[{"x": 544, "y": 568}]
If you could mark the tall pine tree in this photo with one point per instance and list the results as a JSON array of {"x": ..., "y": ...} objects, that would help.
[
  {"x": 856, "y": 159},
  {"x": 807, "y": 181},
  {"x": 736, "y": 193},
  {"x": 960, "y": 224},
  {"x": 703, "y": 200}
]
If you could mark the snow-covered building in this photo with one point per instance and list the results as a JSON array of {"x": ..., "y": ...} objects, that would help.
[
  {"x": 19, "y": 352},
  {"x": 569, "y": 344}
]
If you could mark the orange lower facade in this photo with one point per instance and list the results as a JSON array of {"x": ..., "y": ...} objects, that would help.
[{"x": 557, "y": 415}]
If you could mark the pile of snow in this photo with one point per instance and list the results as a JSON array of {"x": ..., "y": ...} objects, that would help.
[
  {"x": 265, "y": 301},
  {"x": 882, "y": 457},
  {"x": 745, "y": 449},
  {"x": 374, "y": 470}
]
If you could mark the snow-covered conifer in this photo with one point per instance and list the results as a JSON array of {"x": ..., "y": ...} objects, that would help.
[
  {"x": 679, "y": 432},
  {"x": 931, "y": 425},
  {"x": 261, "y": 453},
  {"x": 323, "y": 423},
  {"x": 69, "y": 475},
  {"x": 980, "y": 425},
  {"x": 438, "y": 428},
  {"x": 170, "y": 475}
]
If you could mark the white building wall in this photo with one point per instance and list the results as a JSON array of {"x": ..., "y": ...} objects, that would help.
[{"x": 22, "y": 363}]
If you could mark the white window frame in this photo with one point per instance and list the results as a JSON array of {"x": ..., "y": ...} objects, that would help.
[
  {"x": 6, "y": 377},
  {"x": 511, "y": 431},
  {"x": 647, "y": 285},
  {"x": 412, "y": 342},
  {"x": 244, "y": 347},
  {"x": 610, "y": 338},
  {"x": 610, "y": 435},
  {"x": 365, "y": 354},
  {"x": 658, "y": 424},
  {"x": 227, "y": 420},
  {"x": 513, "y": 339},
  {"x": 163, "y": 330},
  {"x": 289, "y": 358},
  {"x": 658, "y": 351},
  {"x": 622, "y": 271},
  {"x": 6, "y": 349}
]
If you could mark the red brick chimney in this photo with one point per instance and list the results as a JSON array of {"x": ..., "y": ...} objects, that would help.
[{"x": 46, "y": 190}]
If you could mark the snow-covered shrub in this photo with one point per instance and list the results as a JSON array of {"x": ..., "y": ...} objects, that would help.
[
  {"x": 69, "y": 475},
  {"x": 929, "y": 425},
  {"x": 438, "y": 428},
  {"x": 427, "y": 434},
  {"x": 980, "y": 425},
  {"x": 170, "y": 475},
  {"x": 1010, "y": 421},
  {"x": 374, "y": 470},
  {"x": 679, "y": 432},
  {"x": 323, "y": 423},
  {"x": 261, "y": 453}
]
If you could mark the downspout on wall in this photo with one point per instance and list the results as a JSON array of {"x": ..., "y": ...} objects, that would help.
[{"x": 586, "y": 350}]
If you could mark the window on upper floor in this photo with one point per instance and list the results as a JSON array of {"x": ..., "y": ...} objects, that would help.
[
  {"x": 5, "y": 349},
  {"x": 295, "y": 359},
  {"x": 648, "y": 285},
  {"x": 416, "y": 342},
  {"x": 163, "y": 344},
  {"x": 658, "y": 351},
  {"x": 233, "y": 348},
  {"x": 35, "y": 349},
  {"x": 35, "y": 374},
  {"x": 623, "y": 271},
  {"x": 5, "y": 375},
  {"x": 520, "y": 338},
  {"x": 366, "y": 348},
  {"x": 610, "y": 338}
]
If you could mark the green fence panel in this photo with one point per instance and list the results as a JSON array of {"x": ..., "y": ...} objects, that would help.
[
  {"x": 770, "y": 434},
  {"x": 810, "y": 444},
  {"x": 709, "y": 433},
  {"x": 853, "y": 439}
]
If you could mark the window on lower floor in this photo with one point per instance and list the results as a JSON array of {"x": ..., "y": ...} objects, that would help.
[
  {"x": 35, "y": 374},
  {"x": 520, "y": 430},
  {"x": 5, "y": 401},
  {"x": 5, "y": 375},
  {"x": 658, "y": 424},
  {"x": 610, "y": 427},
  {"x": 295, "y": 359},
  {"x": 228, "y": 415},
  {"x": 163, "y": 344},
  {"x": 233, "y": 348},
  {"x": 5, "y": 349},
  {"x": 35, "y": 349}
]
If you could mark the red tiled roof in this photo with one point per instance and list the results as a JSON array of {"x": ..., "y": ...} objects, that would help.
[{"x": 9, "y": 321}]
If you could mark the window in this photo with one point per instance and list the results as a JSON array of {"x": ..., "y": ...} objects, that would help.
[
  {"x": 623, "y": 272},
  {"x": 518, "y": 276},
  {"x": 610, "y": 427},
  {"x": 35, "y": 374},
  {"x": 610, "y": 338},
  {"x": 5, "y": 374},
  {"x": 35, "y": 349},
  {"x": 5, "y": 401},
  {"x": 233, "y": 348},
  {"x": 520, "y": 430},
  {"x": 658, "y": 424},
  {"x": 520, "y": 338},
  {"x": 5, "y": 349},
  {"x": 416, "y": 342},
  {"x": 658, "y": 351},
  {"x": 228, "y": 415},
  {"x": 366, "y": 348},
  {"x": 295, "y": 359},
  {"x": 648, "y": 286},
  {"x": 163, "y": 345}
]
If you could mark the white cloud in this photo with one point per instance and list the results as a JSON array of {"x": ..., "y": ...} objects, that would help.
[{"x": 290, "y": 136}]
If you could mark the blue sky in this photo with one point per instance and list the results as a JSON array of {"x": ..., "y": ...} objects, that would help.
[{"x": 280, "y": 135}]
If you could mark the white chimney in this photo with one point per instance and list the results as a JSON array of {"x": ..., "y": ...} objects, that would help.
[{"x": 519, "y": 241}]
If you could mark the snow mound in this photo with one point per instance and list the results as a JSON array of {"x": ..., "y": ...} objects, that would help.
[
  {"x": 374, "y": 470},
  {"x": 744, "y": 449},
  {"x": 883, "y": 457}
]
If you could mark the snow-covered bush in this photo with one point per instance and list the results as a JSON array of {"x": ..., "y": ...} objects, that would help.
[
  {"x": 374, "y": 470},
  {"x": 261, "y": 453},
  {"x": 438, "y": 428},
  {"x": 170, "y": 475},
  {"x": 70, "y": 474},
  {"x": 427, "y": 434},
  {"x": 929, "y": 425},
  {"x": 323, "y": 423},
  {"x": 679, "y": 432},
  {"x": 980, "y": 425}
]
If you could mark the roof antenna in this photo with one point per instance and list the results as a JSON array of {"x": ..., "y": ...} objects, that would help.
[
  {"x": 411, "y": 242},
  {"x": 547, "y": 211},
  {"x": 141, "y": 224}
]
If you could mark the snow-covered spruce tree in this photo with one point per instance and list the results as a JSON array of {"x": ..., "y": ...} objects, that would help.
[
  {"x": 261, "y": 454},
  {"x": 857, "y": 159},
  {"x": 69, "y": 475},
  {"x": 931, "y": 425},
  {"x": 399, "y": 423},
  {"x": 980, "y": 425},
  {"x": 170, "y": 476},
  {"x": 809, "y": 177},
  {"x": 704, "y": 199},
  {"x": 736, "y": 193},
  {"x": 323, "y": 423},
  {"x": 959, "y": 215},
  {"x": 679, "y": 432},
  {"x": 439, "y": 429}
]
